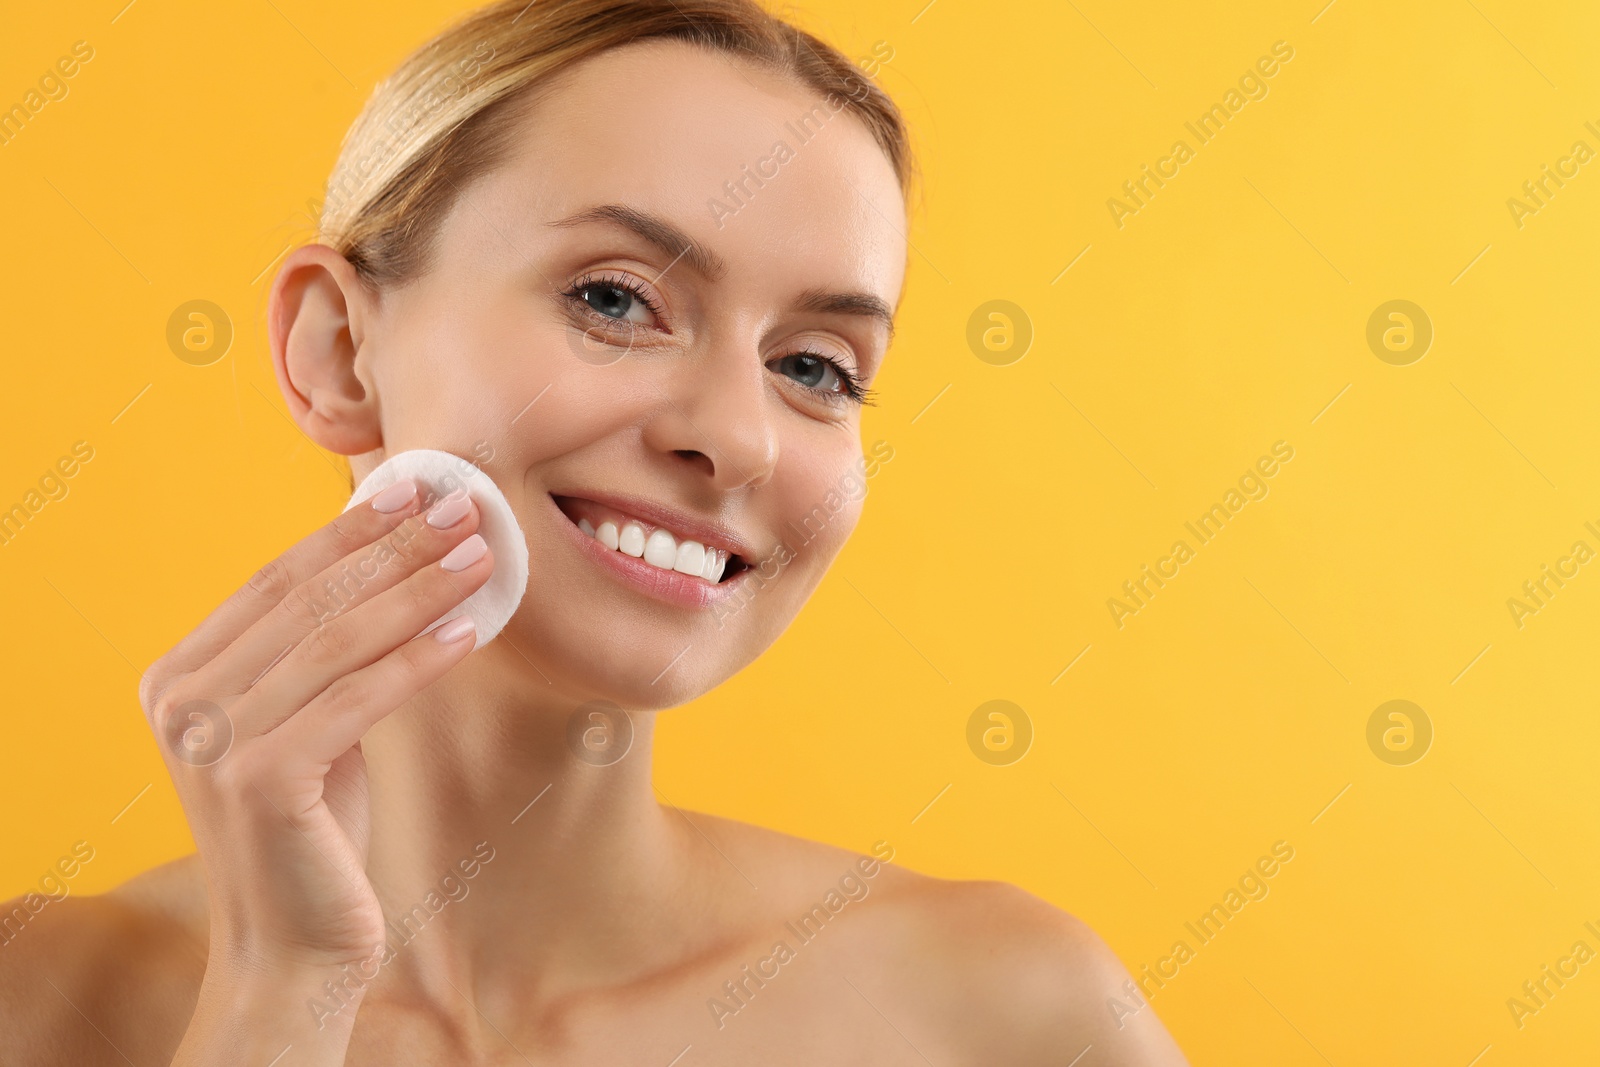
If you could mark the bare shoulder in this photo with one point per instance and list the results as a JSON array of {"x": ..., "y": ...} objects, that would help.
[
  {"x": 984, "y": 970},
  {"x": 106, "y": 978},
  {"x": 1018, "y": 979}
]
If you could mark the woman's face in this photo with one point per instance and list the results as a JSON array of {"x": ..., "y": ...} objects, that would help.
[{"x": 656, "y": 312}]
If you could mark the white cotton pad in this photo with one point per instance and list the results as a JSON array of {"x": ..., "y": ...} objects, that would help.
[{"x": 439, "y": 474}]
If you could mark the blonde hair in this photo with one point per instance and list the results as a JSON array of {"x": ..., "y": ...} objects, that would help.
[{"x": 438, "y": 120}]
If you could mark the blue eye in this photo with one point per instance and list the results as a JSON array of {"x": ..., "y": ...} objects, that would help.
[
  {"x": 613, "y": 301},
  {"x": 810, "y": 371},
  {"x": 614, "y": 297},
  {"x": 821, "y": 374}
]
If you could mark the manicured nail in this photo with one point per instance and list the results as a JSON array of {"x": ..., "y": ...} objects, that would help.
[
  {"x": 465, "y": 554},
  {"x": 449, "y": 511},
  {"x": 455, "y": 629},
  {"x": 395, "y": 497}
]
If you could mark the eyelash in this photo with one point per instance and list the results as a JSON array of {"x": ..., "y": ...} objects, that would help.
[{"x": 854, "y": 391}]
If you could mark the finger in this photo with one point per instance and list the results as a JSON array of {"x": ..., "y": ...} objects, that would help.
[
  {"x": 338, "y": 589},
  {"x": 363, "y": 636},
  {"x": 361, "y": 525},
  {"x": 341, "y": 714}
]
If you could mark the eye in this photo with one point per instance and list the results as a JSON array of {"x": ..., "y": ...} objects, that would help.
[
  {"x": 821, "y": 374},
  {"x": 614, "y": 297}
]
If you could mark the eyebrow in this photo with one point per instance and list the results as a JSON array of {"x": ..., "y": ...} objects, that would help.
[
  {"x": 867, "y": 305},
  {"x": 655, "y": 229},
  {"x": 674, "y": 242}
]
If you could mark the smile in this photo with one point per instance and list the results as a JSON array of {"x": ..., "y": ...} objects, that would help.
[{"x": 674, "y": 557}]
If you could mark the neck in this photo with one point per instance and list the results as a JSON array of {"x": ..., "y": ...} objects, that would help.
[{"x": 504, "y": 857}]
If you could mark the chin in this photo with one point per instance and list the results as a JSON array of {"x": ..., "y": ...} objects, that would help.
[{"x": 586, "y": 651}]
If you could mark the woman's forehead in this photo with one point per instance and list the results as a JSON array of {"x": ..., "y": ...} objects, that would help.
[{"x": 746, "y": 164}]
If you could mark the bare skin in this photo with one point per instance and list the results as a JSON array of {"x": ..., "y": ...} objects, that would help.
[{"x": 562, "y": 911}]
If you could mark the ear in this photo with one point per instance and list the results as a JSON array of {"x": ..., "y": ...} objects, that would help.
[{"x": 315, "y": 326}]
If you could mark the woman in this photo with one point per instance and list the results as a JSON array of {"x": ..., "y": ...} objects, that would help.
[{"x": 639, "y": 261}]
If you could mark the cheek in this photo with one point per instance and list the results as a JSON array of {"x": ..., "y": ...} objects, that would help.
[
  {"x": 495, "y": 373},
  {"x": 447, "y": 379},
  {"x": 811, "y": 515},
  {"x": 565, "y": 408},
  {"x": 819, "y": 512}
]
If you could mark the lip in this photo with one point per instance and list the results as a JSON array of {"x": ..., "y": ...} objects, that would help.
[
  {"x": 669, "y": 587},
  {"x": 710, "y": 534}
]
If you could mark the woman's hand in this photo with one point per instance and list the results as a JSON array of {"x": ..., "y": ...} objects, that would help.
[{"x": 260, "y": 712}]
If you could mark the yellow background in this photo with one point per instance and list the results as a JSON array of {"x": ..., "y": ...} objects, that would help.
[{"x": 1226, "y": 315}]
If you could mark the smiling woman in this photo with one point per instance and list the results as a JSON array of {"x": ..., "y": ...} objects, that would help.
[{"x": 528, "y": 262}]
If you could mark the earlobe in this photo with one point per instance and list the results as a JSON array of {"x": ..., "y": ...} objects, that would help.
[{"x": 315, "y": 319}]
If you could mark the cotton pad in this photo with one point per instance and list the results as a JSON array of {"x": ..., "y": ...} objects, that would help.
[{"x": 438, "y": 474}]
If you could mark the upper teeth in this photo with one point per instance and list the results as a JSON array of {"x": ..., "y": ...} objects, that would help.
[{"x": 660, "y": 548}]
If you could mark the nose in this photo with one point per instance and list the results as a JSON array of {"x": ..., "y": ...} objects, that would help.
[{"x": 715, "y": 415}]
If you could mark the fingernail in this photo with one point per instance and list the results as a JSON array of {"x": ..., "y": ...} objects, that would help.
[
  {"x": 449, "y": 511},
  {"x": 465, "y": 554},
  {"x": 395, "y": 497},
  {"x": 455, "y": 629}
]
